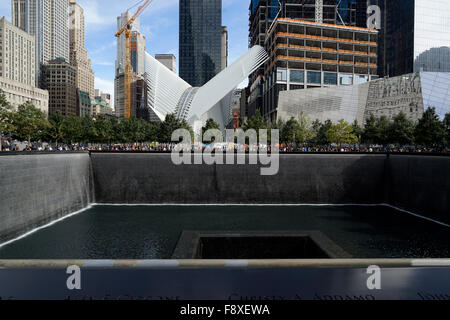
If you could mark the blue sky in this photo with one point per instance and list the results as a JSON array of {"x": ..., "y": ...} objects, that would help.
[{"x": 159, "y": 23}]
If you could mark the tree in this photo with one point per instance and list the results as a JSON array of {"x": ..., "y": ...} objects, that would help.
[
  {"x": 447, "y": 129},
  {"x": 341, "y": 133},
  {"x": 430, "y": 130},
  {"x": 402, "y": 130},
  {"x": 55, "y": 128},
  {"x": 210, "y": 124},
  {"x": 29, "y": 122},
  {"x": 256, "y": 122},
  {"x": 152, "y": 131},
  {"x": 371, "y": 133},
  {"x": 104, "y": 129},
  {"x": 305, "y": 132},
  {"x": 169, "y": 125},
  {"x": 383, "y": 126},
  {"x": 290, "y": 131},
  {"x": 357, "y": 130},
  {"x": 72, "y": 129},
  {"x": 132, "y": 130},
  {"x": 322, "y": 138},
  {"x": 6, "y": 115},
  {"x": 89, "y": 132}
]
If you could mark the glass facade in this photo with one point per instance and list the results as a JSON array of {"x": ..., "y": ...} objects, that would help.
[
  {"x": 330, "y": 78},
  {"x": 345, "y": 79},
  {"x": 297, "y": 76},
  {"x": 436, "y": 91},
  {"x": 347, "y": 11},
  {"x": 200, "y": 40},
  {"x": 314, "y": 77},
  {"x": 416, "y": 34},
  {"x": 432, "y": 36}
]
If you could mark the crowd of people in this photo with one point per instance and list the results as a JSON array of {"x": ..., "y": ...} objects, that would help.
[{"x": 224, "y": 147}]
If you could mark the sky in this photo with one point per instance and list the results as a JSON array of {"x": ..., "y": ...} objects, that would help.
[{"x": 159, "y": 24}]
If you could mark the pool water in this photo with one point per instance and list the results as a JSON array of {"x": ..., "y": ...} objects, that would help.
[{"x": 152, "y": 232}]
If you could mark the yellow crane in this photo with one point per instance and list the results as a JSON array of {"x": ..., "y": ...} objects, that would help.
[{"x": 128, "y": 72}]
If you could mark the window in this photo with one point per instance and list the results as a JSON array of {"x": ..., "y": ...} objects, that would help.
[
  {"x": 346, "y": 79},
  {"x": 297, "y": 76},
  {"x": 361, "y": 79},
  {"x": 314, "y": 77},
  {"x": 281, "y": 75},
  {"x": 330, "y": 78}
]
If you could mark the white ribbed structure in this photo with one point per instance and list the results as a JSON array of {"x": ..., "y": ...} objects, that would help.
[
  {"x": 165, "y": 88},
  {"x": 170, "y": 94}
]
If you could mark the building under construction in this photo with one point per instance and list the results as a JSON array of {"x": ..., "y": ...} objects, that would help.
[
  {"x": 265, "y": 15},
  {"x": 304, "y": 54}
]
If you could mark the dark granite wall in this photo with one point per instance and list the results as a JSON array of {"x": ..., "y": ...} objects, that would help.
[
  {"x": 37, "y": 189},
  {"x": 153, "y": 178}
]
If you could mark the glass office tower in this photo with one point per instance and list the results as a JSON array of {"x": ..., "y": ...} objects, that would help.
[
  {"x": 417, "y": 36},
  {"x": 200, "y": 40}
]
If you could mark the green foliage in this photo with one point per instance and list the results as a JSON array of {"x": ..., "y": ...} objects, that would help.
[
  {"x": 55, "y": 131},
  {"x": 321, "y": 138},
  {"x": 341, "y": 133},
  {"x": 289, "y": 131},
  {"x": 357, "y": 130},
  {"x": 29, "y": 122},
  {"x": 72, "y": 129},
  {"x": 430, "y": 131},
  {"x": 447, "y": 130},
  {"x": 6, "y": 115},
  {"x": 132, "y": 130},
  {"x": 371, "y": 133},
  {"x": 169, "y": 125},
  {"x": 210, "y": 124},
  {"x": 256, "y": 122},
  {"x": 383, "y": 126},
  {"x": 401, "y": 130},
  {"x": 89, "y": 131},
  {"x": 104, "y": 129}
]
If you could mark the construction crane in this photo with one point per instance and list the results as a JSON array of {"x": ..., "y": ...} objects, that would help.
[{"x": 128, "y": 72}]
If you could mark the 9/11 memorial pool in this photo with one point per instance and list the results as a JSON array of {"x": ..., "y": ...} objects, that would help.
[{"x": 153, "y": 232}]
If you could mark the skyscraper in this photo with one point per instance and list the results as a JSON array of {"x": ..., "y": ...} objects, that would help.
[
  {"x": 78, "y": 54},
  {"x": 48, "y": 22},
  {"x": 137, "y": 46},
  {"x": 59, "y": 78},
  {"x": 413, "y": 36},
  {"x": 17, "y": 60},
  {"x": 200, "y": 40},
  {"x": 169, "y": 60},
  {"x": 224, "y": 47},
  {"x": 137, "y": 43}
]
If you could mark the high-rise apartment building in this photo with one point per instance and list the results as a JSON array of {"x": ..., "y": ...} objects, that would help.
[
  {"x": 78, "y": 54},
  {"x": 59, "y": 78},
  {"x": 48, "y": 22},
  {"x": 200, "y": 42},
  {"x": 169, "y": 60},
  {"x": 17, "y": 54}
]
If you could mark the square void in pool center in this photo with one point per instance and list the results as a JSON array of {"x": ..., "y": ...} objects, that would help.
[{"x": 257, "y": 245}]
